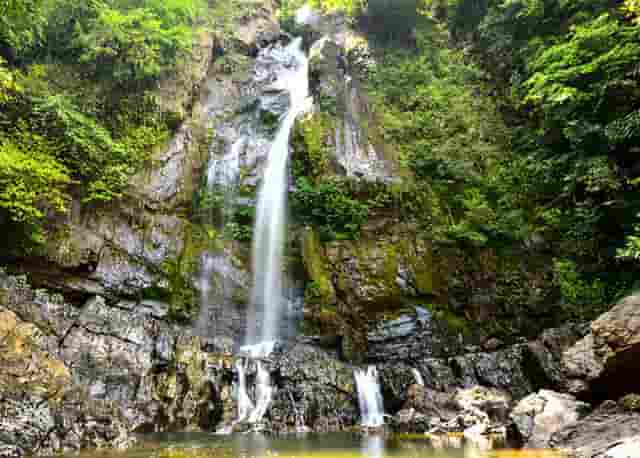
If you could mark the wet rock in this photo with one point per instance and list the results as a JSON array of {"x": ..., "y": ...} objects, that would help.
[
  {"x": 395, "y": 381},
  {"x": 592, "y": 436},
  {"x": 438, "y": 374},
  {"x": 41, "y": 411},
  {"x": 430, "y": 402},
  {"x": 538, "y": 416},
  {"x": 410, "y": 421},
  {"x": 485, "y": 402},
  {"x": 317, "y": 385}
]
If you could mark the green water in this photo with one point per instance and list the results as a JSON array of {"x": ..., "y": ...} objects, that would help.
[{"x": 198, "y": 445}]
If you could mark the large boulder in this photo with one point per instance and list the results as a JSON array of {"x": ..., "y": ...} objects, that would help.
[
  {"x": 604, "y": 364},
  {"x": 488, "y": 402},
  {"x": 593, "y": 436},
  {"x": 627, "y": 448},
  {"x": 541, "y": 414}
]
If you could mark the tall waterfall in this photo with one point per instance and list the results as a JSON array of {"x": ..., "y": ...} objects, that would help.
[
  {"x": 369, "y": 397},
  {"x": 269, "y": 235}
]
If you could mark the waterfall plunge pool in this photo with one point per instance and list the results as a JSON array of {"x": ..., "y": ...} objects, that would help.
[{"x": 330, "y": 445}]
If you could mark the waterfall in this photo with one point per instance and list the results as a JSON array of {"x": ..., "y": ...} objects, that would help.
[
  {"x": 269, "y": 230},
  {"x": 418, "y": 376},
  {"x": 264, "y": 392},
  {"x": 245, "y": 405},
  {"x": 369, "y": 397}
]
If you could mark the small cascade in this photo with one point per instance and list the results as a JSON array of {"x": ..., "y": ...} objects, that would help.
[
  {"x": 245, "y": 405},
  {"x": 369, "y": 397},
  {"x": 264, "y": 393},
  {"x": 418, "y": 376},
  {"x": 226, "y": 171}
]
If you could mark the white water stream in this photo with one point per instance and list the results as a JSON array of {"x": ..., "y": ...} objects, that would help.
[
  {"x": 418, "y": 376},
  {"x": 268, "y": 299},
  {"x": 271, "y": 216},
  {"x": 369, "y": 397}
]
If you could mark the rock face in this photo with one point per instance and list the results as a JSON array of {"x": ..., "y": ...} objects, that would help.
[
  {"x": 603, "y": 365},
  {"x": 317, "y": 388},
  {"x": 41, "y": 410},
  {"x": 540, "y": 415},
  {"x": 600, "y": 433}
]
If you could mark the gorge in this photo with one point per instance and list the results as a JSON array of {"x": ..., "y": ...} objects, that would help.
[{"x": 334, "y": 227}]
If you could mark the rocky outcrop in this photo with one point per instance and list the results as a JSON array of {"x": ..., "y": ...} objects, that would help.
[
  {"x": 603, "y": 364},
  {"x": 94, "y": 373},
  {"x": 41, "y": 410},
  {"x": 517, "y": 369},
  {"x": 384, "y": 271},
  {"x": 315, "y": 387},
  {"x": 598, "y": 434},
  {"x": 538, "y": 416}
]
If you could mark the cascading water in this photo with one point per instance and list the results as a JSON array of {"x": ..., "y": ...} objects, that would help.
[
  {"x": 245, "y": 405},
  {"x": 268, "y": 299},
  {"x": 264, "y": 393},
  {"x": 268, "y": 241},
  {"x": 369, "y": 397},
  {"x": 418, "y": 376}
]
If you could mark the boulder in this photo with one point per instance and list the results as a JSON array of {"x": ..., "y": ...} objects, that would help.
[
  {"x": 594, "y": 435},
  {"x": 410, "y": 421},
  {"x": 604, "y": 364},
  {"x": 490, "y": 403},
  {"x": 538, "y": 416},
  {"x": 627, "y": 448}
]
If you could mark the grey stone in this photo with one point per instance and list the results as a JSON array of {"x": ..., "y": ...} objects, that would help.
[{"x": 540, "y": 415}]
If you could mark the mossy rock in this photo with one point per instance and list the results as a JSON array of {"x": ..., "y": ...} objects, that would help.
[
  {"x": 631, "y": 402},
  {"x": 313, "y": 259}
]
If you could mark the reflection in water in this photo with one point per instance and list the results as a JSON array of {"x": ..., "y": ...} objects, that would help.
[
  {"x": 337, "y": 445},
  {"x": 373, "y": 445}
]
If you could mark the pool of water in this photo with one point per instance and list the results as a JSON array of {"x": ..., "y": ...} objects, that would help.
[{"x": 198, "y": 445}]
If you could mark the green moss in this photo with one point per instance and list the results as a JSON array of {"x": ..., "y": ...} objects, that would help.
[
  {"x": 631, "y": 402},
  {"x": 320, "y": 288},
  {"x": 456, "y": 323},
  {"x": 390, "y": 265},
  {"x": 179, "y": 271},
  {"x": 311, "y": 150}
]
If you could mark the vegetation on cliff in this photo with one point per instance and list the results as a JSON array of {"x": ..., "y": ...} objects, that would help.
[
  {"x": 517, "y": 125},
  {"x": 78, "y": 115}
]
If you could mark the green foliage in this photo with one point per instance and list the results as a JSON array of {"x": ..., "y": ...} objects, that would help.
[
  {"x": 330, "y": 207},
  {"x": 310, "y": 150},
  {"x": 580, "y": 73},
  {"x": 582, "y": 297},
  {"x": 31, "y": 181},
  {"x": 76, "y": 107},
  {"x": 131, "y": 45},
  {"x": 449, "y": 136},
  {"x": 22, "y": 23}
]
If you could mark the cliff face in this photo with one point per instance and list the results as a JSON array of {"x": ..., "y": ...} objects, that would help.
[
  {"x": 154, "y": 289},
  {"x": 109, "y": 355}
]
